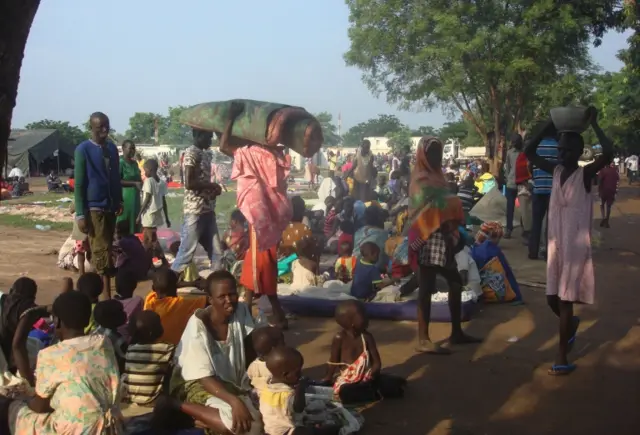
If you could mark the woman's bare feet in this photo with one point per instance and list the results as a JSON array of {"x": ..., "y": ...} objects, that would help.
[
  {"x": 431, "y": 348},
  {"x": 462, "y": 338}
]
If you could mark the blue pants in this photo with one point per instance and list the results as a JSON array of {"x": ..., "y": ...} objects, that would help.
[{"x": 198, "y": 229}]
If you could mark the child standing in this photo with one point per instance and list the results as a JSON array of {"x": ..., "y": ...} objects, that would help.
[
  {"x": 147, "y": 361},
  {"x": 264, "y": 341},
  {"x": 608, "y": 180},
  {"x": 154, "y": 205},
  {"x": 174, "y": 310},
  {"x": 570, "y": 277}
]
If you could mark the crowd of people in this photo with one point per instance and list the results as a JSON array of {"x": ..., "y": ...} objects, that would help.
[{"x": 391, "y": 223}]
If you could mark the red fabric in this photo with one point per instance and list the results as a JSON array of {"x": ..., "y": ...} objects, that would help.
[
  {"x": 328, "y": 222},
  {"x": 72, "y": 183},
  {"x": 522, "y": 169},
  {"x": 400, "y": 270},
  {"x": 345, "y": 238},
  {"x": 261, "y": 276},
  {"x": 608, "y": 179}
]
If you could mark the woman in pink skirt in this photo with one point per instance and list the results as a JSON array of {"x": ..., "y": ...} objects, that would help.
[{"x": 570, "y": 276}]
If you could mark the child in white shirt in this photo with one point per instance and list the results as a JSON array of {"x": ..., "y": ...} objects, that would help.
[{"x": 154, "y": 206}]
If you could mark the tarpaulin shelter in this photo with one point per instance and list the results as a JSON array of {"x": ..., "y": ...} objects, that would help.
[{"x": 29, "y": 149}]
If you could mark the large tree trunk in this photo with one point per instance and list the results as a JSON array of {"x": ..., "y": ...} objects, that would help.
[{"x": 16, "y": 17}]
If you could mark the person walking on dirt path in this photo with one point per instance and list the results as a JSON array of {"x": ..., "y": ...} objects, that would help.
[
  {"x": 608, "y": 181},
  {"x": 98, "y": 195},
  {"x": 511, "y": 190},
  {"x": 570, "y": 275},
  {"x": 542, "y": 183},
  {"x": 363, "y": 173},
  {"x": 632, "y": 168},
  {"x": 199, "y": 225},
  {"x": 131, "y": 180}
]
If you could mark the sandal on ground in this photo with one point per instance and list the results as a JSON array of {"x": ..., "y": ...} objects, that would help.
[{"x": 561, "y": 369}]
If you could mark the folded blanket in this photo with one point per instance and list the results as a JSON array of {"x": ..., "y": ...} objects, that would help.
[{"x": 260, "y": 122}]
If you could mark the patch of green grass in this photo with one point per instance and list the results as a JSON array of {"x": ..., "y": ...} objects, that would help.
[{"x": 24, "y": 222}]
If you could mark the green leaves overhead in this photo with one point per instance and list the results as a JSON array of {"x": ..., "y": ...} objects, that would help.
[{"x": 485, "y": 59}]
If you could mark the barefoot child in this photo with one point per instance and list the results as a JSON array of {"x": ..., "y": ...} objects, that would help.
[
  {"x": 154, "y": 206},
  {"x": 147, "y": 361},
  {"x": 264, "y": 341},
  {"x": 354, "y": 350},
  {"x": 570, "y": 276}
]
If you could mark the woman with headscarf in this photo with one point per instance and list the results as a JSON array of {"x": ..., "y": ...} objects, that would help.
[
  {"x": 497, "y": 279},
  {"x": 18, "y": 311},
  {"x": 434, "y": 217},
  {"x": 373, "y": 231}
]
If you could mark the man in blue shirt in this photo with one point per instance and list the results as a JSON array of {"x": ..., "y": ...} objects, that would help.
[
  {"x": 542, "y": 182},
  {"x": 98, "y": 194}
]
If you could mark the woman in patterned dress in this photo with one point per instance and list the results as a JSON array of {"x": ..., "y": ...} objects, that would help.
[
  {"x": 434, "y": 217},
  {"x": 76, "y": 380}
]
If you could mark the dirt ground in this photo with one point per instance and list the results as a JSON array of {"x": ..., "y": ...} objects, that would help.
[{"x": 498, "y": 388}]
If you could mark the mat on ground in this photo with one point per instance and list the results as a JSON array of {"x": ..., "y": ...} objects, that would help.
[{"x": 260, "y": 122}]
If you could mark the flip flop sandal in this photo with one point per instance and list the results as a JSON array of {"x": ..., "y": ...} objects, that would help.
[
  {"x": 562, "y": 370},
  {"x": 572, "y": 340}
]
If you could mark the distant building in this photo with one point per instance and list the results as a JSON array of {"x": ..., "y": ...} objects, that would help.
[{"x": 380, "y": 144}]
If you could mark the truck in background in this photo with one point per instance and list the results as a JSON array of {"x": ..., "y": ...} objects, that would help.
[{"x": 454, "y": 151}]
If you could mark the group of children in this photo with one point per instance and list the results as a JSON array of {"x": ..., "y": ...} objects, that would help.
[{"x": 354, "y": 372}]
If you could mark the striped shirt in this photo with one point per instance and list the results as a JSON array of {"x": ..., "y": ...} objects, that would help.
[
  {"x": 466, "y": 195},
  {"x": 145, "y": 368},
  {"x": 542, "y": 181}
]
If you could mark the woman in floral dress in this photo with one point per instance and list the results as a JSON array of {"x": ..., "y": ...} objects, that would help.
[{"x": 76, "y": 380}]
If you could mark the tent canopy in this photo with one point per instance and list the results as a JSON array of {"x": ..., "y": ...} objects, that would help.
[{"x": 37, "y": 145}]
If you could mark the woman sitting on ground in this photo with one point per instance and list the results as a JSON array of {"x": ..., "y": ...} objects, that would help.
[
  {"x": 373, "y": 231},
  {"x": 497, "y": 279},
  {"x": 18, "y": 312},
  {"x": 77, "y": 379},
  {"x": 210, "y": 379}
]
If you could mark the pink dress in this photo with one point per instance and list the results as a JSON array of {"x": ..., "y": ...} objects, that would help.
[
  {"x": 262, "y": 191},
  {"x": 569, "y": 264}
]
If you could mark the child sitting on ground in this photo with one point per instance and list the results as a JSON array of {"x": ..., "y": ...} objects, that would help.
[
  {"x": 284, "y": 396},
  {"x": 367, "y": 280},
  {"x": 174, "y": 310},
  {"x": 125, "y": 286},
  {"x": 147, "y": 361},
  {"x": 91, "y": 285},
  {"x": 355, "y": 349},
  {"x": 264, "y": 341},
  {"x": 304, "y": 269},
  {"x": 235, "y": 240},
  {"x": 110, "y": 316},
  {"x": 331, "y": 217},
  {"x": 129, "y": 253},
  {"x": 346, "y": 262}
]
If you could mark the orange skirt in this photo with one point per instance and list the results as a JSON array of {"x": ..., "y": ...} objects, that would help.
[{"x": 260, "y": 269}]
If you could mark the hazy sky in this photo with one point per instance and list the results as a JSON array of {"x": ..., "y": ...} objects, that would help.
[{"x": 122, "y": 57}]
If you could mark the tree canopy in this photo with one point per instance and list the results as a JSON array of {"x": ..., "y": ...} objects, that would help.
[
  {"x": 329, "y": 129},
  {"x": 69, "y": 133},
  {"x": 495, "y": 62},
  {"x": 380, "y": 126}
]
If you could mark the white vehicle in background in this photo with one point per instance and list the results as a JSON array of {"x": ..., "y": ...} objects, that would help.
[{"x": 454, "y": 151}]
